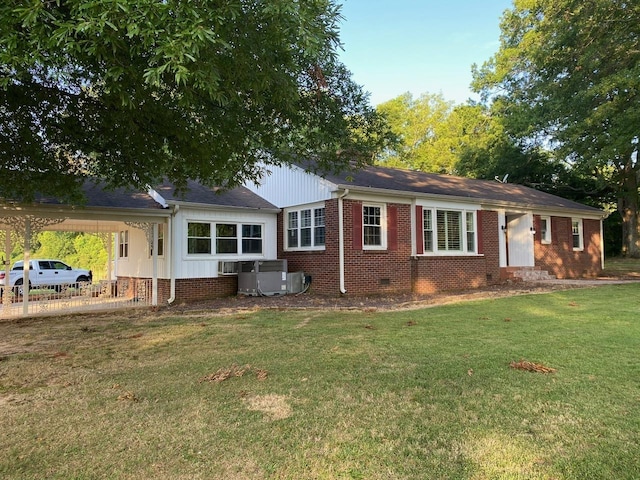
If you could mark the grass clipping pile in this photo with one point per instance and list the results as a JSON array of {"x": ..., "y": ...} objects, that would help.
[{"x": 531, "y": 367}]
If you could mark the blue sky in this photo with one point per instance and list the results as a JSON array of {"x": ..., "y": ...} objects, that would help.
[{"x": 418, "y": 46}]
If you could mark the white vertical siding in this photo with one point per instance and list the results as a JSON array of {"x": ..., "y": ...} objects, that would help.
[
  {"x": 206, "y": 266},
  {"x": 289, "y": 186},
  {"x": 139, "y": 263}
]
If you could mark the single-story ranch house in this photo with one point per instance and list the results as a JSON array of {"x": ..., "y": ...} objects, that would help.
[{"x": 377, "y": 230}]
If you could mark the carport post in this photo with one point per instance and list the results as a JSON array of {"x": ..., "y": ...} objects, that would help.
[
  {"x": 6, "y": 299},
  {"x": 26, "y": 265}
]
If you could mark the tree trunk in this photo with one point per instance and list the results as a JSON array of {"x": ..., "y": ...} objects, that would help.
[{"x": 628, "y": 203}]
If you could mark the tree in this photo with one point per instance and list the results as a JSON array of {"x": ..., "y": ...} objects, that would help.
[
  {"x": 567, "y": 78},
  {"x": 131, "y": 91},
  {"x": 426, "y": 139}
]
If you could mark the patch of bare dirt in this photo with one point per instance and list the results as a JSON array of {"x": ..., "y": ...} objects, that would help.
[{"x": 371, "y": 303}]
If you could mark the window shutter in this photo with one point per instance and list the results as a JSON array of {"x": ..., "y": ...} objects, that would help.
[
  {"x": 537, "y": 226},
  {"x": 357, "y": 226},
  {"x": 419, "y": 230},
  {"x": 479, "y": 229},
  {"x": 392, "y": 227}
]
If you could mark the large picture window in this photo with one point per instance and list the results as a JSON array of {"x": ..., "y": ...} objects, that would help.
[
  {"x": 449, "y": 231},
  {"x": 228, "y": 238},
  {"x": 305, "y": 228}
]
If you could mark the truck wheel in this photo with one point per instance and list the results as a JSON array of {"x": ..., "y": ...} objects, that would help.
[
  {"x": 18, "y": 288},
  {"x": 81, "y": 279}
]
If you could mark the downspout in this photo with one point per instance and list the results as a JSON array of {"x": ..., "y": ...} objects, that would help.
[
  {"x": 343, "y": 290},
  {"x": 601, "y": 244},
  {"x": 171, "y": 254}
]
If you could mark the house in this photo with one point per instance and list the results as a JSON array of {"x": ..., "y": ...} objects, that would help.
[
  {"x": 377, "y": 230},
  {"x": 382, "y": 230},
  {"x": 185, "y": 245}
]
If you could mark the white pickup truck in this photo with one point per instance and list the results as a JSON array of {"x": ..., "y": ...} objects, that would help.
[{"x": 45, "y": 273}]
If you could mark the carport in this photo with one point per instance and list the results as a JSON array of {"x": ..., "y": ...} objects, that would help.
[{"x": 105, "y": 213}]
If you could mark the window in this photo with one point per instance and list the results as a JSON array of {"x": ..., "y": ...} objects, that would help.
[
  {"x": 229, "y": 238},
  {"x": 576, "y": 230},
  {"x": 449, "y": 228},
  {"x": 198, "y": 238},
  {"x": 226, "y": 238},
  {"x": 471, "y": 232},
  {"x": 449, "y": 231},
  {"x": 318, "y": 221},
  {"x": 428, "y": 230},
  {"x": 252, "y": 239},
  {"x": 160, "y": 241},
  {"x": 123, "y": 244},
  {"x": 306, "y": 228},
  {"x": 372, "y": 223},
  {"x": 545, "y": 229}
]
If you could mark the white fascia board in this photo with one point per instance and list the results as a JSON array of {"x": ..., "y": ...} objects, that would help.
[
  {"x": 549, "y": 211},
  {"x": 91, "y": 213},
  {"x": 207, "y": 206}
]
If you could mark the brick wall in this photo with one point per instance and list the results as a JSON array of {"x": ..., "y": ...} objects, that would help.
[
  {"x": 559, "y": 258},
  {"x": 187, "y": 289},
  {"x": 392, "y": 270}
]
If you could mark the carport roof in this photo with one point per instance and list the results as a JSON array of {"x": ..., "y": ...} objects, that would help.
[{"x": 97, "y": 195}]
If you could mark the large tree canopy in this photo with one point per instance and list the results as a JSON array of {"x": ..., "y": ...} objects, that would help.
[
  {"x": 130, "y": 91},
  {"x": 567, "y": 77}
]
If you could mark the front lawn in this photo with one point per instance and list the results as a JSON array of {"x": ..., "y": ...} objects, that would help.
[{"x": 416, "y": 394}]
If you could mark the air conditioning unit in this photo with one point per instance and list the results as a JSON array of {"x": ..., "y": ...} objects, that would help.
[
  {"x": 227, "y": 268},
  {"x": 262, "y": 277}
]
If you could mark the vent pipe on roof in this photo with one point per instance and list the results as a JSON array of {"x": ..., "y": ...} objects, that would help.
[{"x": 157, "y": 197}]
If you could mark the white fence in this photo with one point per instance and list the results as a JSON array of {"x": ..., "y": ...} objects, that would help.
[{"x": 77, "y": 297}]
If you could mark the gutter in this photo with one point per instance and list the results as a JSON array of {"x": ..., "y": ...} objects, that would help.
[{"x": 343, "y": 290}]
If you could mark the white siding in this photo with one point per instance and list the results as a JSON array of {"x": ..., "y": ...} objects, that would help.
[
  {"x": 289, "y": 186},
  {"x": 139, "y": 263},
  {"x": 206, "y": 266}
]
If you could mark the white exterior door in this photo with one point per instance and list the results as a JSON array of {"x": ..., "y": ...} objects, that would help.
[{"x": 520, "y": 240}]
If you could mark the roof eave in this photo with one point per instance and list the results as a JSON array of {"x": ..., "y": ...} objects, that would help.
[{"x": 485, "y": 202}]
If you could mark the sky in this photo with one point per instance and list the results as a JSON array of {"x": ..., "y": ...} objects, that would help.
[{"x": 419, "y": 46}]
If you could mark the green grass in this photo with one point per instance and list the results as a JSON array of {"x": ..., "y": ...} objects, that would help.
[
  {"x": 620, "y": 266},
  {"x": 421, "y": 394}
]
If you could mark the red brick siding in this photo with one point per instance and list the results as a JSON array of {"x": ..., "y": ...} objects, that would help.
[
  {"x": 559, "y": 258},
  {"x": 434, "y": 274},
  {"x": 392, "y": 270},
  {"x": 189, "y": 289},
  {"x": 437, "y": 273}
]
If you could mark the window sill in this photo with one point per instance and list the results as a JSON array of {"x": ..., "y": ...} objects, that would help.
[
  {"x": 305, "y": 249},
  {"x": 447, "y": 254}
]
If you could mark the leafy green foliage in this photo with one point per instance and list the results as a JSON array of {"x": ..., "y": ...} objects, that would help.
[
  {"x": 133, "y": 91},
  {"x": 567, "y": 77},
  {"x": 80, "y": 250}
]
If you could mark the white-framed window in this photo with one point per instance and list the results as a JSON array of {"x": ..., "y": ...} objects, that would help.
[
  {"x": 545, "y": 230},
  {"x": 449, "y": 231},
  {"x": 160, "y": 241},
  {"x": 427, "y": 215},
  {"x": 576, "y": 233},
  {"x": 305, "y": 228},
  {"x": 123, "y": 244},
  {"x": 374, "y": 227},
  {"x": 198, "y": 238},
  {"x": 224, "y": 238}
]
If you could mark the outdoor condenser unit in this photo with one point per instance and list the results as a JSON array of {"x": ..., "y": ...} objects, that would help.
[{"x": 262, "y": 277}]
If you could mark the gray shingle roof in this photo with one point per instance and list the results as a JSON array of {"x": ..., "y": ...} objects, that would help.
[
  {"x": 98, "y": 196},
  {"x": 411, "y": 181},
  {"x": 201, "y": 194}
]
